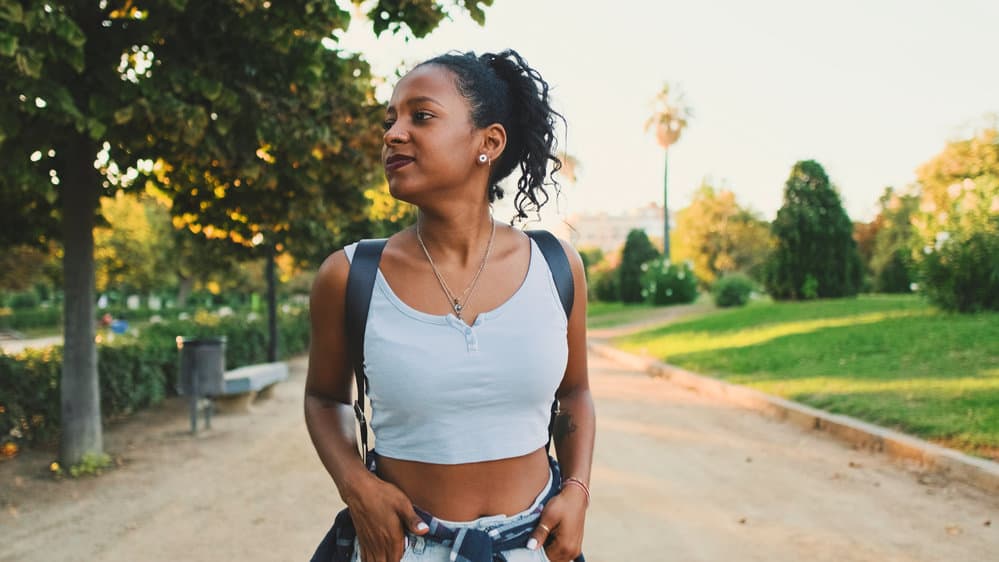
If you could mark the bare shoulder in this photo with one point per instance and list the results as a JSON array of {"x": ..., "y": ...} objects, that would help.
[
  {"x": 575, "y": 261},
  {"x": 331, "y": 279}
]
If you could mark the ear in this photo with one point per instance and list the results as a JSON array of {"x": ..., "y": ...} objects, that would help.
[{"x": 493, "y": 141}]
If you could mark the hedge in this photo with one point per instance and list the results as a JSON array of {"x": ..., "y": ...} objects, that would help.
[
  {"x": 25, "y": 319},
  {"x": 134, "y": 372}
]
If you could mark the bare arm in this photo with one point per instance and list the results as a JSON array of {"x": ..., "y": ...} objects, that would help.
[
  {"x": 379, "y": 509},
  {"x": 575, "y": 424},
  {"x": 574, "y": 432}
]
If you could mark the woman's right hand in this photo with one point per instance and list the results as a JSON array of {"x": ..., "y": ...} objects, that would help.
[{"x": 382, "y": 513}]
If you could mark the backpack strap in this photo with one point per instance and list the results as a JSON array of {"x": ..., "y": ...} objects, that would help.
[
  {"x": 558, "y": 263},
  {"x": 360, "y": 283}
]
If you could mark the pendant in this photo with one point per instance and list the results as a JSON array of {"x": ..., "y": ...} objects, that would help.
[{"x": 457, "y": 308}]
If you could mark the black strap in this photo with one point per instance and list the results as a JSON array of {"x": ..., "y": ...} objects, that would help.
[
  {"x": 558, "y": 263},
  {"x": 360, "y": 282}
]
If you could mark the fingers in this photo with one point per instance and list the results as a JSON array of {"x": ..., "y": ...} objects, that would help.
[
  {"x": 541, "y": 533},
  {"x": 412, "y": 521}
]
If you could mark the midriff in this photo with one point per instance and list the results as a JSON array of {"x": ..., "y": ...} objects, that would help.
[{"x": 464, "y": 492}]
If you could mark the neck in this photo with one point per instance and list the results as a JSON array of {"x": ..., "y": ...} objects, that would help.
[{"x": 456, "y": 238}]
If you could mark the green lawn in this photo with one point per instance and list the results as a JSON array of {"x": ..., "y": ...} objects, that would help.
[
  {"x": 607, "y": 314},
  {"x": 891, "y": 360},
  {"x": 610, "y": 314}
]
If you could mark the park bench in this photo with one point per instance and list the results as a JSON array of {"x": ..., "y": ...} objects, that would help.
[{"x": 244, "y": 385}]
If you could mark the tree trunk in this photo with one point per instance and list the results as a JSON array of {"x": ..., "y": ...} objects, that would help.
[
  {"x": 80, "y": 390},
  {"x": 666, "y": 209},
  {"x": 186, "y": 285},
  {"x": 272, "y": 331}
]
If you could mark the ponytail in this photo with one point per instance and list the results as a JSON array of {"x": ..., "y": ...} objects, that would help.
[{"x": 502, "y": 88}]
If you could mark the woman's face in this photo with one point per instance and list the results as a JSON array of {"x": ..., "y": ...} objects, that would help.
[{"x": 430, "y": 141}]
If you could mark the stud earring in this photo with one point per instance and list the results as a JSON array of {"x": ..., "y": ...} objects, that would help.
[{"x": 483, "y": 159}]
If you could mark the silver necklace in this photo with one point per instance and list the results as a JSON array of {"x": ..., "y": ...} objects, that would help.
[{"x": 457, "y": 304}]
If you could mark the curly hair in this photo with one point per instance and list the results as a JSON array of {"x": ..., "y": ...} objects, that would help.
[{"x": 502, "y": 88}]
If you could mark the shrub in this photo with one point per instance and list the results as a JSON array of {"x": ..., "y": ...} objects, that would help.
[
  {"x": 637, "y": 250},
  {"x": 603, "y": 283},
  {"x": 668, "y": 283},
  {"x": 733, "y": 289},
  {"x": 962, "y": 274},
  {"x": 133, "y": 372},
  {"x": 26, "y": 319},
  {"x": 814, "y": 238}
]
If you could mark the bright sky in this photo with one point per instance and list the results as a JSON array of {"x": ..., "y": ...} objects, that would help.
[{"x": 870, "y": 89}]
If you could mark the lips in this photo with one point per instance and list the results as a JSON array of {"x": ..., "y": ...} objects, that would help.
[{"x": 397, "y": 161}]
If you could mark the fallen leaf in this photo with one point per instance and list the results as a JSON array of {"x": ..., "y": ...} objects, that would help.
[
  {"x": 953, "y": 530},
  {"x": 742, "y": 520},
  {"x": 988, "y": 523}
]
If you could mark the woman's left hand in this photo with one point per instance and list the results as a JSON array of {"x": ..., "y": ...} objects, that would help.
[{"x": 562, "y": 519}]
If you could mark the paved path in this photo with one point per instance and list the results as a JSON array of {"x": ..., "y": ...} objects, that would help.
[{"x": 676, "y": 478}]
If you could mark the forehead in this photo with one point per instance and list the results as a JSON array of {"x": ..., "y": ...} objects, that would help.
[{"x": 427, "y": 81}]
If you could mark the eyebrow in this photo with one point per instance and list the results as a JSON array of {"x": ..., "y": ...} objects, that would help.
[{"x": 415, "y": 101}]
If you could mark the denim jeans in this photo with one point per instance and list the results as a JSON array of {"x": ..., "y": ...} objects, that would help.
[
  {"x": 487, "y": 539},
  {"x": 420, "y": 549}
]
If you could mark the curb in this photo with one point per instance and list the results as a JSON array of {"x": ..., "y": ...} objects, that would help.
[{"x": 980, "y": 473}]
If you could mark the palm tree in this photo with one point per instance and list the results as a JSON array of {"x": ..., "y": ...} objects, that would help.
[{"x": 669, "y": 120}]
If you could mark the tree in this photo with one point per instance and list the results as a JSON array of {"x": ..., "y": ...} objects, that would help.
[
  {"x": 637, "y": 250},
  {"x": 957, "y": 224},
  {"x": 669, "y": 120},
  {"x": 241, "y": 111},
  {"x": 892, "y": 267},
  {"x": 815, "y": 254},
  {"x": 133, "y": 251},
  {"x": 718, "y": 236}
]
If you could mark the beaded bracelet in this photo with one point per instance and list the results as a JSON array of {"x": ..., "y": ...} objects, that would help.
[{"x": 578, "y": 482}]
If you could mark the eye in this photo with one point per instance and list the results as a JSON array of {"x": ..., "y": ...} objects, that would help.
[
  {"x": 422, "y": 116},
  {"x": 387, "y": 124}
]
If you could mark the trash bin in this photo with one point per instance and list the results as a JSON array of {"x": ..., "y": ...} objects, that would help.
[{"x": 202, "y": 372}]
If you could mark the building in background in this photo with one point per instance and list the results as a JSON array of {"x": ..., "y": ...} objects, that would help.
[{"x": 608, "y": 232}]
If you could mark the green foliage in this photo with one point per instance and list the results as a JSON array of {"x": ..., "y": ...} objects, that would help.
[
  {"x": 134, "y": 252},
  {"x": 92, "y": 464},
  {"x": 668, "y": 283},
  {"x": 815, "y": 254},
  {"x": 591, "y": 257},
  {"x": 962, "y": 274},
  {"x": 134, "y": 372},
  {"x": 719, "y": 236},
  {"x": 30, "y": 319},
  {"x": 887, "y": 359},
  {"x": 893, "y": 269},
  {"x": 637, "y": 250},
  {"x": 604, "y": 282},
  {"x": 957, "y": 225},
  {"x": 733, "y": 289}
]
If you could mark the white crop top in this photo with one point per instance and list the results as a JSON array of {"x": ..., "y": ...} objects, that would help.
[{"x": 444, "y": 392}]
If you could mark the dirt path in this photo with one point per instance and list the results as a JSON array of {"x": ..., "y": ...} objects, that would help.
[{"x": 676, "y": 477}]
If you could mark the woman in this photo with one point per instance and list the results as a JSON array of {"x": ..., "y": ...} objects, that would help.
[{"x": 466, "y": 340}]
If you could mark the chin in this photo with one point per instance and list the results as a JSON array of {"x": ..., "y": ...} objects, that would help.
[{"x": 400, "y": 192}]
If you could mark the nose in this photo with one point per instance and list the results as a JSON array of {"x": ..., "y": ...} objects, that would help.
[{"x": 395, "y": 135}]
